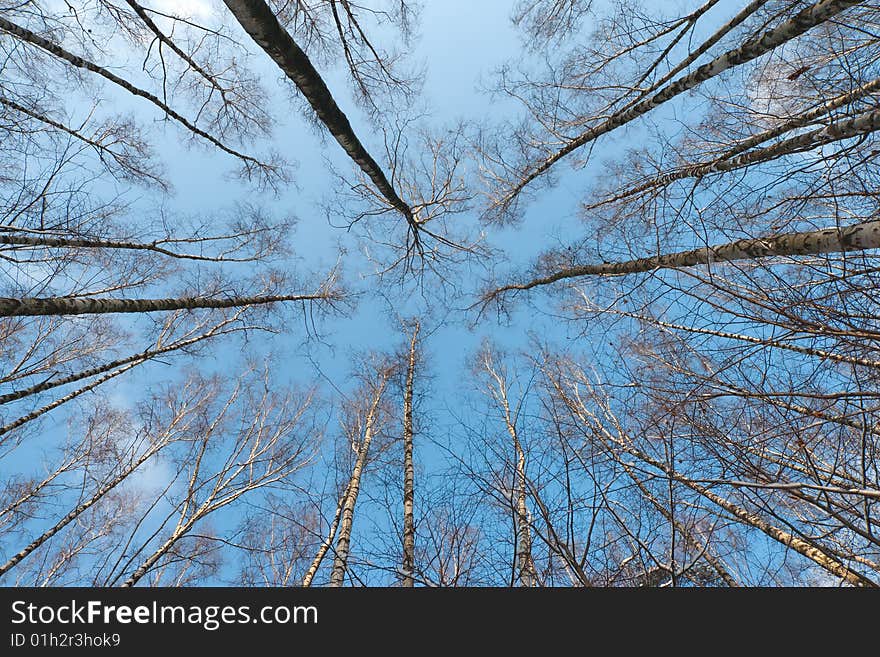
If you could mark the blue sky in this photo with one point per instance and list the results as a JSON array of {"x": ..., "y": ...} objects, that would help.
[{"x": 459, "y": 43}]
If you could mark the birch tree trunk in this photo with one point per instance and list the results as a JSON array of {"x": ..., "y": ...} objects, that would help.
[
  {"x": 325, "y": 546},
  {"x": 263, "y": 452},
  {"x": 751, "y": 49},
  {"x": 704, "y": 47},
  {"x": 81, "y": 243},
  {"x": 859, "y": 237},
  {"x": 527, "y": 574},
  {"x": 863, "y": 124},
  {"x": 28, "y": 307},
  {"x": 261, "y": 24},
  {"x": 409, "y": 532},
  {"x": 33, "y": 415},
  {"x": 343, "y": 545},
  {"x": 179, "y": 532},
  {"x": 714, "y": 562},
  {"x": 143, "y": 356}
]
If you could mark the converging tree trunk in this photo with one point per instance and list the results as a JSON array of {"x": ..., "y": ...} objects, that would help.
[
  {"x": 758, "y": 45},
  {"x": 361, "y": 443},
  {"x": 525, "y": 565},
  {"x": 858, "y": 237},
  {"x": 85, "y": 306},
  {"x": 258, "y": 20}
]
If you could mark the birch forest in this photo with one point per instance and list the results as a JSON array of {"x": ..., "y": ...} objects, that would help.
[{"x": 428, "y": 293}]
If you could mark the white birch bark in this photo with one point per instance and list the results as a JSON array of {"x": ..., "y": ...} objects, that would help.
[
  {"x": 28, "y": 307},
  {"x": 34, "y": 39},
  {"x": 864, "y": 123},
  {"x": 859, "y": 237},
  {"x": 527, "y": 574},
  {"x": 753, "y": 48},
  {"x": 86, "y": 243},
  {"x": 343, "y": 544},
  {"x": 409, "y": 532},
  {"x": 139, "y": 357}
]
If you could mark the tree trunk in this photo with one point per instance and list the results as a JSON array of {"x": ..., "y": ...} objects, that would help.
[
  {"x": 409, "y": 532},
  {"x": 751, "y": 49},
  {"x": 260, "y": 22},
  {"x": 325, "y": 546},
  {"x": 525, "y": 563},
  {"x": 28, "y": 307},
  {"x": 622, "y": 441},
  {"x": 862, "y": 124},
  {"x": 343, "y": 545},
  {"x": 858, "y": 237},
  {"x": 527, "y": 574},
  {"x": 140, "y": 357},
  {"x": 801, "y": 546},
  {"x": 83, "y": 243},
  {"x": 33, "y": 415}
]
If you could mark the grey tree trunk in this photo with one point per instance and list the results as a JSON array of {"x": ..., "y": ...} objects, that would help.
[
  {"x": 525, "y": 564},
  {"x": 767, "y": 342},
  {"x": 343, "y": 545},
  {"x": 325, "y": 546},
  {"x": 163, "y": 549},
  {"x": 409, "y": 532},
  {"x": 33, "y": 415},
  {"x": 702, "y": 548},
  {"x": 27, "y": 307},
  {"x": 260, "y": 22},
  {"x": 805, "y": 118},
  {"x": 751, "y": 49},
  {"x": 85, "y": 243},
  {"x": 858, "y": 237},
  {"x": 864, "y": 123},
  {"x": 142, "y": 356},
  {"x": 79, "y": 509}
]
